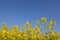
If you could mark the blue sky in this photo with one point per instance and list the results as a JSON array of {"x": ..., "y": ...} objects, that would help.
[{"x": 19, "y": 11}]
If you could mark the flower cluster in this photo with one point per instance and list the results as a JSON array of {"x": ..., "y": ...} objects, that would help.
[{"x": 29, "y": 32}]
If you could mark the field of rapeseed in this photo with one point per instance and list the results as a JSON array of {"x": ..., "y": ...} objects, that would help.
[{"x": 29, "y": 32}]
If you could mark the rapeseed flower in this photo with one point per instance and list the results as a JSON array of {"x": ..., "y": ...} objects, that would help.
[
  {"x": 43, "y": 19},
  {"x": 29, "y": 32}
]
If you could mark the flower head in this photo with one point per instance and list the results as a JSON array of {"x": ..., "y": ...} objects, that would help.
[
  {"x": 27, "y": 22},
  {"x": 43, "y": 19},
  {"x": 52, "y": 22}
]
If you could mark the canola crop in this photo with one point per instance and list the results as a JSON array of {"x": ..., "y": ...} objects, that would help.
[{"x": 29, "y": 32}]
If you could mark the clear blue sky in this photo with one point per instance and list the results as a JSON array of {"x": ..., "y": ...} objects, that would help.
[{"x": 19, "y": 11}]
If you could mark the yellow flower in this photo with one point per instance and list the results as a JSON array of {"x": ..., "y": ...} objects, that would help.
[
  {"x": 52, "y": 22},
  {"x": 27, "y": 23},
  {"x": 37, "y": 22},
  {"x": 29, "y": 32},
  {"x": 37, "y": 28},
  {"x": 32, "y": 31},
  {"x": 24, "y": 31},
  {"x": 29, "y": 27},
  {"x": 3, "y": 32},
  {"x": 43, "y": 19},
  {"x": 35, "y": 37},
  {"x": 52, "y": 32},
  {"x": 50, "y": 26},
  {"x": 15, "y": 27}
]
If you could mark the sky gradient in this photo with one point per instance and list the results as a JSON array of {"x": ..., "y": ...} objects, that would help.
[{"x": 19, "y": 11}]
